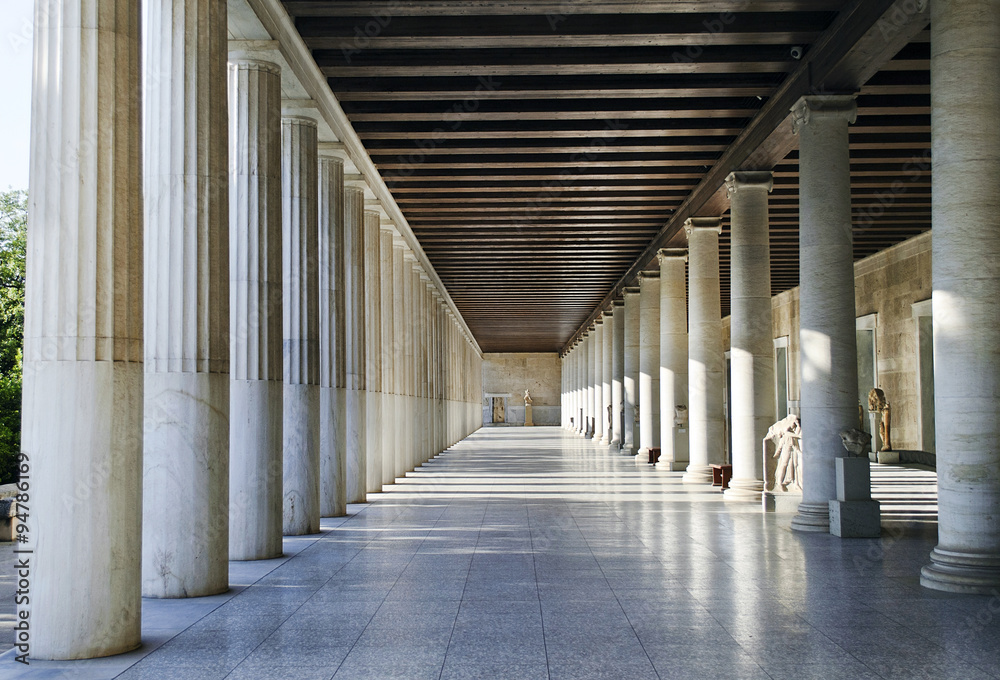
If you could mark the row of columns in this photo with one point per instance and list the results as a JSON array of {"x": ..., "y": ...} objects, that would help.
[
  {"x": 966, "y": 149},
  {"x": 222, "y": 344}
]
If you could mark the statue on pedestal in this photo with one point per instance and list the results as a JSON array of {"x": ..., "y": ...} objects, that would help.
[
  {"x": 878, "y": 404},
  {"x": 786, "y": 435},
  {"x": 527, "y": 408}
]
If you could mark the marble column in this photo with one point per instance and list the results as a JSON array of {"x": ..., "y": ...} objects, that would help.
[
  {"x": 81, "y": 413},
  {"x": 630, "y": 384},
  {"x": 185, "y": 500},
  {"x": 751, "y": 339},
  {"x": 388, "y": 355},
  {"x": 354, "y": 341},
  {"x": 256, "y": 383},
  {"x": 333, "y": 376},
  {"x": 829, "y": 393},
  {"x": 588, "y": 405},
  {"x": 706, "y": 358},
  {"x": 649, "y": 364},
  {"x": 300, "y": 304},
  {"x": 617, "y": 373},
  {"x": 581, "y": 386},
  {"x": 965, "y": 140},
  {"x": 606, "y": 346},
  {"x": 373, "y": 352},
  {"x": 599, "y": 419},
  {"x": 399, "y": 356},
  {"x": 673, "y": 358}
]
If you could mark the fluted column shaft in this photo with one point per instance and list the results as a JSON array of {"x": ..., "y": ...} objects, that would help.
[
  {"x": 607, "y": 340},
  {"x": 617, "y": 372},
  {"x": 673, "y": 358},
  {"x": 829, "y": 393},
  {"x": 706, "y": 358},
  {"x": 399, "y": 357},
  {"x": 752, "y": 406},
  {"x": 185, "y": 499},
  {"x": 591, "y": 373},
  {"x": 300, "y": 293},
  {"x": 599, "y": 419},
  {"x": 965, "y": 140},
  {"x": 649, "y": 364},
  {"x": 581, "y": 386},
  {"x": 255, "y": 388},
  {"x": 373, "y": 352},
  {"x": 388, "y": 355},
  {"x": 332, "y": 340},
  {"x": 630, "y": 385},
  {"x": 82, "y": 393},
  {"x": 354, "y": 342}
]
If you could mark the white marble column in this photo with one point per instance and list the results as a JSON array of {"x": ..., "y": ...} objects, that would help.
[
  {"x": 965, "y": 140},
  {"x": 673, "y": 358},
  {"x": 607, "y": 341},
  {"x": 751, "y": 340},
  {"x": 354, "y": 341},
  {"x": 255, "y": 388},
  {"x": 599, "y": 419},
  {"x": 388, "y": 355},
  {"x": 829, "y": 393},
  {"x": 581, "y": 386},
  {"x": 617, "y": 373},
  {"x": 649, "y": 364},
  {"x": 373, "y": 352},
  {"x": 630, "y": 385},
  {"x": 706, "y": 358},
  {"x": 333, "y": 377},
  {"x": 81, "y": 416},
  {"x": 300, "y": 304},
  {"x": 588, "y": 405},
  {"x": 412, "y": 421},
  {"x": 185, "y": 500},
  {"x": 399, "y": 356}
]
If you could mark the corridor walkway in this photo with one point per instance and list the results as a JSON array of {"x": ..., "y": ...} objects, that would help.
[{"x": 529, "y": 553}]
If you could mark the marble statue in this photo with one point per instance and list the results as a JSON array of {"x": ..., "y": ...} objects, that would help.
[
  {"x": 680, "y": 416},
  {"x": 877, "y": 403},
  {"x": 527, "y": 409},
  {"x": 527, "y": 398},
  {"x": 611, "y": 418},
  {"x": 786, "y": 435},
  {"x": 856, "y": 442}
]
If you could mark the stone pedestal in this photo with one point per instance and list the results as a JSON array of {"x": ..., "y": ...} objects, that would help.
[
  {"x": 649, "y": 364},
  {"x": 527, "y": 415},
  {"x": 854, "y": 514},
  {"x": 965, "y": 140},
  {"x": 829, "y": 393},
  {"x": 706, "y": 360},
  {"x": 300, "y": 302},
  {"x": 81, "y": 418},
  {"x": 333, "y": 379},
  {"x": 255, "y": 398},
  {"x": 673, "y": 358},
  {"x": 752, "y": 404},
  {"x": 185, "y": 500}
]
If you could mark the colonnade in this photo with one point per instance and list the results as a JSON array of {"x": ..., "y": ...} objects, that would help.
[{"x": 226, "y": 338}]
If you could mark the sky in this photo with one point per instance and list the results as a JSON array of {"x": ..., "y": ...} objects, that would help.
[{"x": 15, "y": 87}]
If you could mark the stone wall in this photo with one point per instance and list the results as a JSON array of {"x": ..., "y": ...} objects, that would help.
[
  {"x": 887, "y": 284},
  {"x": 512, "y": 374}
]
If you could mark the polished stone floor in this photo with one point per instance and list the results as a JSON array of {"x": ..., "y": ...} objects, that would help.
[{"x": 529, "y": 553}]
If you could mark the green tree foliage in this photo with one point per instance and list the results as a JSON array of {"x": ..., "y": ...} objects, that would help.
[{"x": 13, "y": 235}]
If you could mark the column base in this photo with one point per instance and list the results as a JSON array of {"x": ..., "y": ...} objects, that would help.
[
  {"x": 744, "y": 490},
  {"x": 813, "y": 518},
  {"x": 614, "y": 445},
  {"x": 697, "y": 474},
  {"x": 605, "y": 441},
  {"x": 960, "y": 572},
  {"x": 628, "y": 451},
  {"x": 671, "y": 465},
  {"x": 642, "y": 456}
]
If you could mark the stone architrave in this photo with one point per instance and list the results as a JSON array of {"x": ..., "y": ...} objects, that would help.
[
  {"x": 185, "y": 498},
  {"x": 300, "y": 310},
  {"x": 256, "y": 383},
  {"x": 706, "y": 359},
  {"x": 829, "y": 392},
  {"x": 354, "y": 341},
  {"x": 649, "y": 364},
  {"x": 630, "y": 383},
  {"x": 673, "y": 359},
  {"x": 752, "y": 401},
  {"x": 965, "y": 140},
  {"x": 82, "y": 393},
  {"x": 333, "y": 377}
]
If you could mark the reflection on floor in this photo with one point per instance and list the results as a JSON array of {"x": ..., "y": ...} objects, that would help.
[{"x": 529, "y": 553}]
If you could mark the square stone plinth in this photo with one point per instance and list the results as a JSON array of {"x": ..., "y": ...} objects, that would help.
[
  {"x": 854, "y": 479},
  {"x": 855, "y": 519}
]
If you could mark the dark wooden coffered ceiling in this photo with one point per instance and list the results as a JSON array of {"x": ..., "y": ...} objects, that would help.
[{"x": 542, "y": 151}]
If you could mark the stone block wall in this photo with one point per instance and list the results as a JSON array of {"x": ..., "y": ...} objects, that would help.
[{"x": 512, "y": 374}]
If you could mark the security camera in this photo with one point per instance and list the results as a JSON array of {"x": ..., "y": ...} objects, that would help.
[{"x": 796, "y": 52}]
